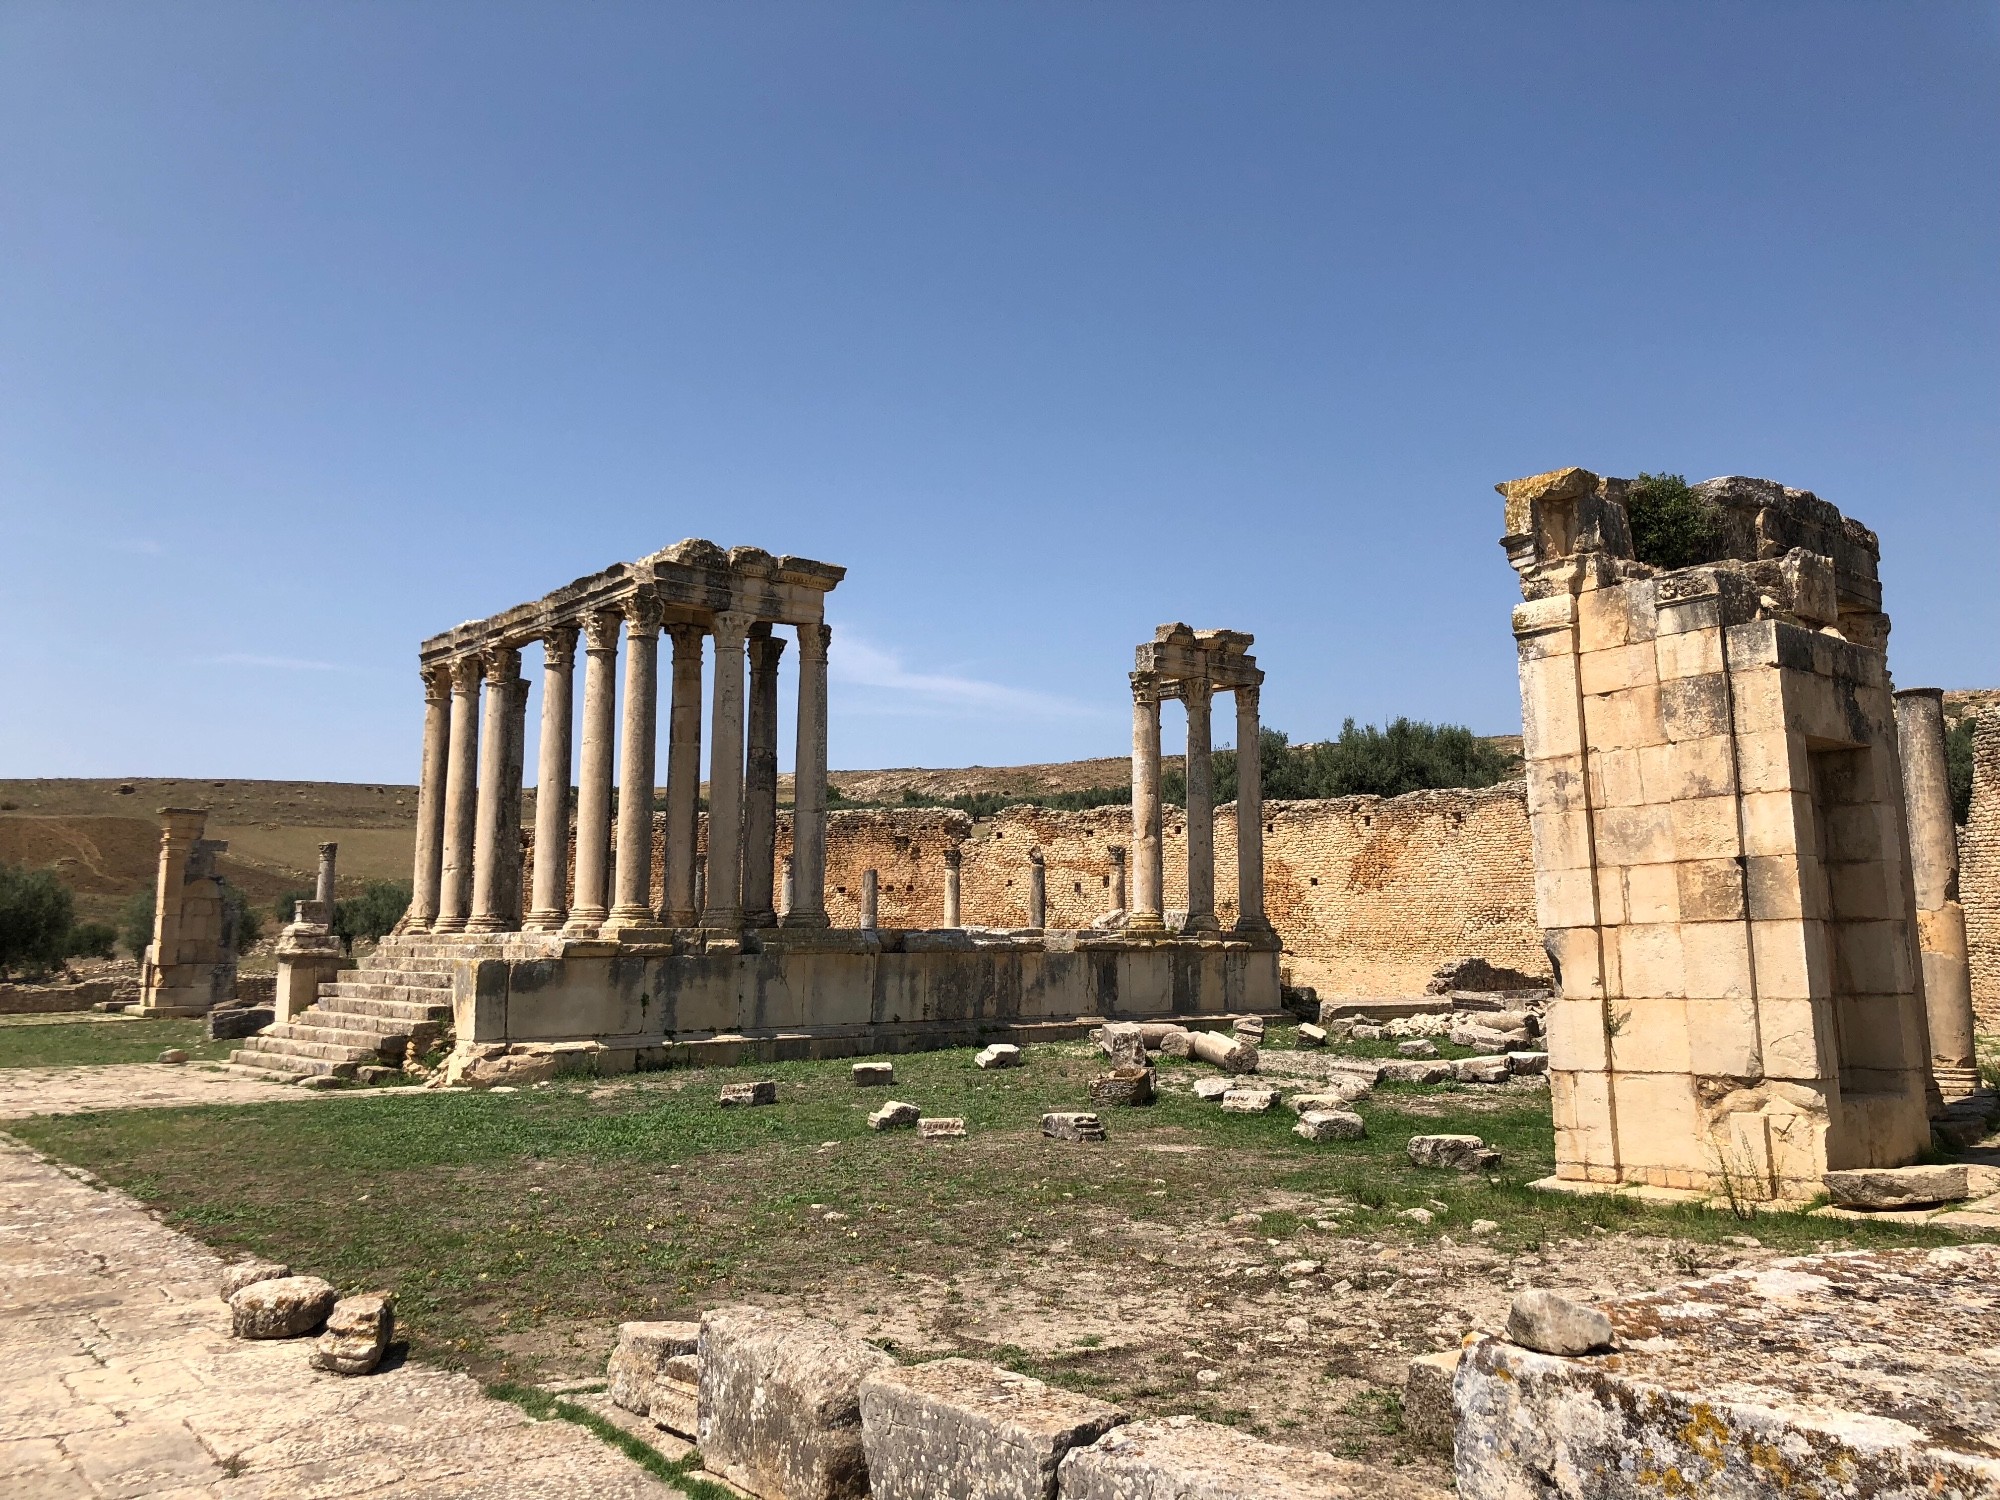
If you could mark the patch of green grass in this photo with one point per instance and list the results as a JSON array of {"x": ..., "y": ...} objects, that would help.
[
  {"x": 544, "y": 1407},
  {"x": 105, "y": 1039}
]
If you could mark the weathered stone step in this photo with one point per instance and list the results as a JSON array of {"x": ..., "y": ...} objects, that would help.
[
  {"x": 306, "y": 1047},
  {"x": 407, "y": 978},
  {"x": 403, "y": 1013},
  {"x": 362, "y": 989},
  {"x": 289, "y": 1066},
  {"x": 317, "y": 1026}
]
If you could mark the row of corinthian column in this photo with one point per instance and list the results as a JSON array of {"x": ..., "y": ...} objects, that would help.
[
  {"x": 469, "y": 803},
  {"x": 1148, "y": 912}
]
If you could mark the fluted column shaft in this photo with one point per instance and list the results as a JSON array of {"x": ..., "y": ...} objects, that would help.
[
  {"x": 1249, "y": 814},
  {"x": 952, "y": 860},
  {"x": 633, "y": 911},
  {"x": 461, "y": 794},
  {"x": 552, "y": 767},
  {"x": 1199, "y": 696},
  {"x": 503, "y": 671},
  {"x": 760, "y": 781},
  {"x": 809, "y": 784},
  {"x": 1941, "y": 934},
  {"x": 683, "y": 775},
  {"x": 1147, "y": 870},
  {"x": 724, "y": 910},
  {"x": 593, "y": 793},
  {"x": 430, "y": 800}
]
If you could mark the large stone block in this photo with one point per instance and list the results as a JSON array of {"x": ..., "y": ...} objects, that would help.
[
  {"x": 1181, "y": 1458},
  {"x": 780, "y": 1409},
  {"x": 642, "y": 1354},
  {"x": 973, "y": 1431},
  {"x": 1825, "y": 1376},
  {"x": 1428, "y": 1418}
]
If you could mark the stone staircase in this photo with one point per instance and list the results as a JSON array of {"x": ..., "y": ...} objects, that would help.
[{"x": 371, "y": 1016}]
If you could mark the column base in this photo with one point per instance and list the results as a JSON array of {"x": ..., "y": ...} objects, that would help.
[
  {"x": 1146, "y": 924},
  {"x": 809, "y": 921},
  {"x": 447, "y": 925},
  {"x": 1202, "y": 925},
  {"x": 545, "y": 921},
  {"x": 585, "y": 922},
  {"x": 766, "y": 918},
  {"x": 488, "y": 924},
  {"x": 683, "y": 917},
  {"x": 721, "y": 920}
]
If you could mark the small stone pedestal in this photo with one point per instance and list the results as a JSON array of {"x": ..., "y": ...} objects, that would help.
[{"x": 308, "y": 956}]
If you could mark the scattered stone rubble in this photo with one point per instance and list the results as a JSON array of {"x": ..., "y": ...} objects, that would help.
[
  {"x": 1072, "y": 1126},
  {"x": 357, "y": 1335},
  {"x": 282, "y": 1308},
  {"x": 760, "y": 1091},
  {"x": 895, "y": 1114},
  {"x": 266, "y": 1301},
  {"x": 1460, "y": 1153},
  {"x": 941, "y": 1128},
  {"x": 999, "y": 1055}
]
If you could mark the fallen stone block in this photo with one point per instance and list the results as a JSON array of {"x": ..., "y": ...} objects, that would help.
[
  {"x": 1416, "y": 1070},
  {"x": 248, "y": 1273},
  {"x": 1459, "y": 1153},
  {"x": 676, "y": 1405},
  {"x": 1482, "y": 1070},
  {"x": 357, "y": 1335},
  {"x": 228, "y": 1023},
  {"x": 1123, "y": 1087},
  {"x": 1309, "y": 1035},
  {"x": 1183, "y": 1458},
  {"x": 1428, "y": 1418},
  {"x": 1421, "y": 1046},
  {"x": 1856, "y": 1374},
  {"x": 895, "y": 1115},
  {"x": 762, "y": 1091},
  {"x": 1330, "y": 1125},
  {"x": 941, "y": 1128},
  {"x": 1554, "y": 1324},
  {"x": 780, "y": 1407},
  {"x": 1072, "y": 1126},
  {"x": 1212, "y": 1089},
  {"x": 640, "y": 1359},
  {"x": 1330, "y": 1099},
  {"x": 1249, "y": 1029},
  {"x": 1897, "y": 1187},
  {"x": 173, "y": 1055},
  {"x": 1367, "y": 1031},
  {"x": 972, "y": 1431},
  {"x": 999, "y": 1055},
  {"x": 1527, "y": 1064},
  {"x": 1249, "y": 1101},
  {"x": 282, "y": 1308},
  {"x": 1489, "y": 1038},
  {"x": 873, "y": 1074},
  {"x": 1124, "y": 1042},
  {"x": 1226, "y": 1053}
]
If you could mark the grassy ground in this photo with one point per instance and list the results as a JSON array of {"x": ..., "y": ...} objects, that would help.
[{"x": 64, "y": 1041}]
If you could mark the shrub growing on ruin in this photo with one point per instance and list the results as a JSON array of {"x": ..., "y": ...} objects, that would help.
[
  {"x": 36, "y": 914},
  {"x": 1672, "y": 526},
  {"x": 135, "y": 923},
  {"x": 371, "y": 914},
  {"x": 249, "y": 921},
  {"x": 287, "y": 905}
]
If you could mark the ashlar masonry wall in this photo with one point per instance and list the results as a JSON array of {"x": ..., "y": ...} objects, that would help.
[{"x": 1979, "y": 872}]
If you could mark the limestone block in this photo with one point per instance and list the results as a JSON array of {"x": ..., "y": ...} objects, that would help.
[
  {"x": 1415, "y": 1070},
  {"x": 895, "y": 1115},
  {"x": 1709, "y": 890},
  {"x": 1330, "y": 1125},
  {"x": 1482, "y": 1069},
  {"x": 1649, "y": 960},
  {"x": 1722, "y": 1037},
  {"x": 1791, "y": 960},
  {"x": 1072, "y": 1126},
  {"x": 1124, "y": 1042},
  {"x": 1705, "y": 828},
  {"x": 973, "y": 1431},
  {"x": 941, "y": 1128},
  {"x": 1249, "y": 1101},
  {"x": 1576, "y": 1035},
  {"x": 780, "y": 1410},
  {"x": 1459, "y": 1153},
  {"x": 1226, "y": 1053},
  {"x": 357, "y": 1335},
  {"x": 1777, "y": 823},
  {"x": 1650, "y": 1035},
  {"x": 1310, "y": 1035},
  {"x": 282, "y": 1308},
  {"x": 999, "y": 1055},
  {"x": 1616, "y": 668},
  {"x": 1428, "y": 1417},
  {"x": 1659, "y": 1124},
  {"x": 1155, "y": 1033},
  {"x": 640, "y": 1358},
  {"x": 248, "y": 1273},
  {"x": 1549, "y": 720},
  {"x": 1183, "y": 1458},
  {"x": 173, "y": 1055},
  {"x": 1798, "y": 1040},
  {"x": 1212, "y": 1089},
  {"x": 1561, "y": 840},
  {"x": 1123, "y": 1087},
  {"x": 1897, "y": 1187},
  {"x": 1527, "y": 1064},
  {"x": 873, "y": 1074},
  {"x": 1688, "y": 653},
  {"x": 761, "y": 1091},
  {"x": 1249, "y": 1029},
  {"x": 1473, "y": 1034},
  {"x": 1553, "y": 1324},
  {"x": 1421, "y": 1046},
  {"x": 1635, "y": 835}
]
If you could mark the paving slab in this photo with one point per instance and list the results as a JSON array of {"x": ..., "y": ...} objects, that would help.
[
  {"x": 123, "y": 1383},
  {"x": 71, "y": 1091}
]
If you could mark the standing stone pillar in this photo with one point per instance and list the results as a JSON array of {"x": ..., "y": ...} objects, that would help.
[
  {"x": 1249, "y": 814},
  {"x": 165, "y": 987},
  {"x": 760, "y": 787},
  {"x": 809, "y": 784},
  {"x": 785, "y": 892},
  {"x": 1199, "y": 695},
  {"x": 953, "y": 858},
  {"x": 461, "y": 794},
  {"x": 1934, "y": 869},
  {"x": 632, "y": 917},
  {"x": 1038, "y": 890},
  {"x": 550, "y": 901},
  {"x": 725, "y": 779},
  {"x": 1117, "y": 852},
  {"x": 869, "y": 887},
  {"x": 593, "y": 794},
  {"x": 503, "y": 672},
  {"x": 1147, "y": 910},
  {"x": 323, "y": 879},
  {"x": 683, "y": 776},
  {"x": 509, "y": 844},
  {"x": 430, "y": 801}
]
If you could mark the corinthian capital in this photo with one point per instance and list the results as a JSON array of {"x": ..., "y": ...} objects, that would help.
[
  {"x": 600, "y": 632},
  {"x": 642, "y": 613},
  {"x": 466, "y": 671},
  {"x": 813, "y": 641},
  {"x": 559, "y": 648},
  {"x": 732, "y": 630},
  {"x": 503, "y": 665},
  {"x": 437, "y": 681},
  {"x": 1146, "y": 687}
]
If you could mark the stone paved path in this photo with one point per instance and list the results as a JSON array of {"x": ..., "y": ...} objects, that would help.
[
  {"x": 118, "y": 1379},
  {"x": 57, "y": 1091}
]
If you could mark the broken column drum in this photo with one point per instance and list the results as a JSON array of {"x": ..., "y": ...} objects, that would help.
[
  {"x": 1192, "y": 666},
  {"x": 1721, "y": 862}
]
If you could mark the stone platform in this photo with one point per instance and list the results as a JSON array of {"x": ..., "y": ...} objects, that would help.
[{"x": 1872, "y": 1373}]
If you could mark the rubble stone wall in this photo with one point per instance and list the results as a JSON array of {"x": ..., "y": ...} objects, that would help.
[{"x": 1979, "y": 872}]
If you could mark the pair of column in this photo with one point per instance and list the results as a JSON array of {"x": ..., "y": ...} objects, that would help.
[
  {"x": 1148, "y": 910},
  {"x": 467, "y": 876}
]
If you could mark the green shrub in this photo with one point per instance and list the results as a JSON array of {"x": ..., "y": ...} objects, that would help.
[
  {"x": 135, "y": 923},
  {"x": 36, "y": 913},
  {"x": 1958, "y": 767},
  {"x": 286, "y": 905},
  {"x": 91, "y": 940},
  {"x": 1672, "y": 526},
  {"x": 1408, "y": 756},
  {"x": 371, "y": 914},
  {"x": 249, "y": 921}
]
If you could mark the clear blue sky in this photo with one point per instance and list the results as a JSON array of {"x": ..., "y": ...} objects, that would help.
[{"x": 326, "y": 326}]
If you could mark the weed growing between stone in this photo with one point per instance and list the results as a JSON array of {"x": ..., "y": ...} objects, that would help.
[{"x": 681, "y": 1473}]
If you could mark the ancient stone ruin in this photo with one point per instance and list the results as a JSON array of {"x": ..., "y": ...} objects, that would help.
[
  {"x": 591, "y": 962},
  {"x": 190, "y": 964},
  {"x": 1721, "y": 850}
]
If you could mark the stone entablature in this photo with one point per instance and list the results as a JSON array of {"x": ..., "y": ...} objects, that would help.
[{"x": 1722, "y": 862}]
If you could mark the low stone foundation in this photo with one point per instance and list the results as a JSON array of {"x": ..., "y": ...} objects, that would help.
[{"x": 53, "y": 999}]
